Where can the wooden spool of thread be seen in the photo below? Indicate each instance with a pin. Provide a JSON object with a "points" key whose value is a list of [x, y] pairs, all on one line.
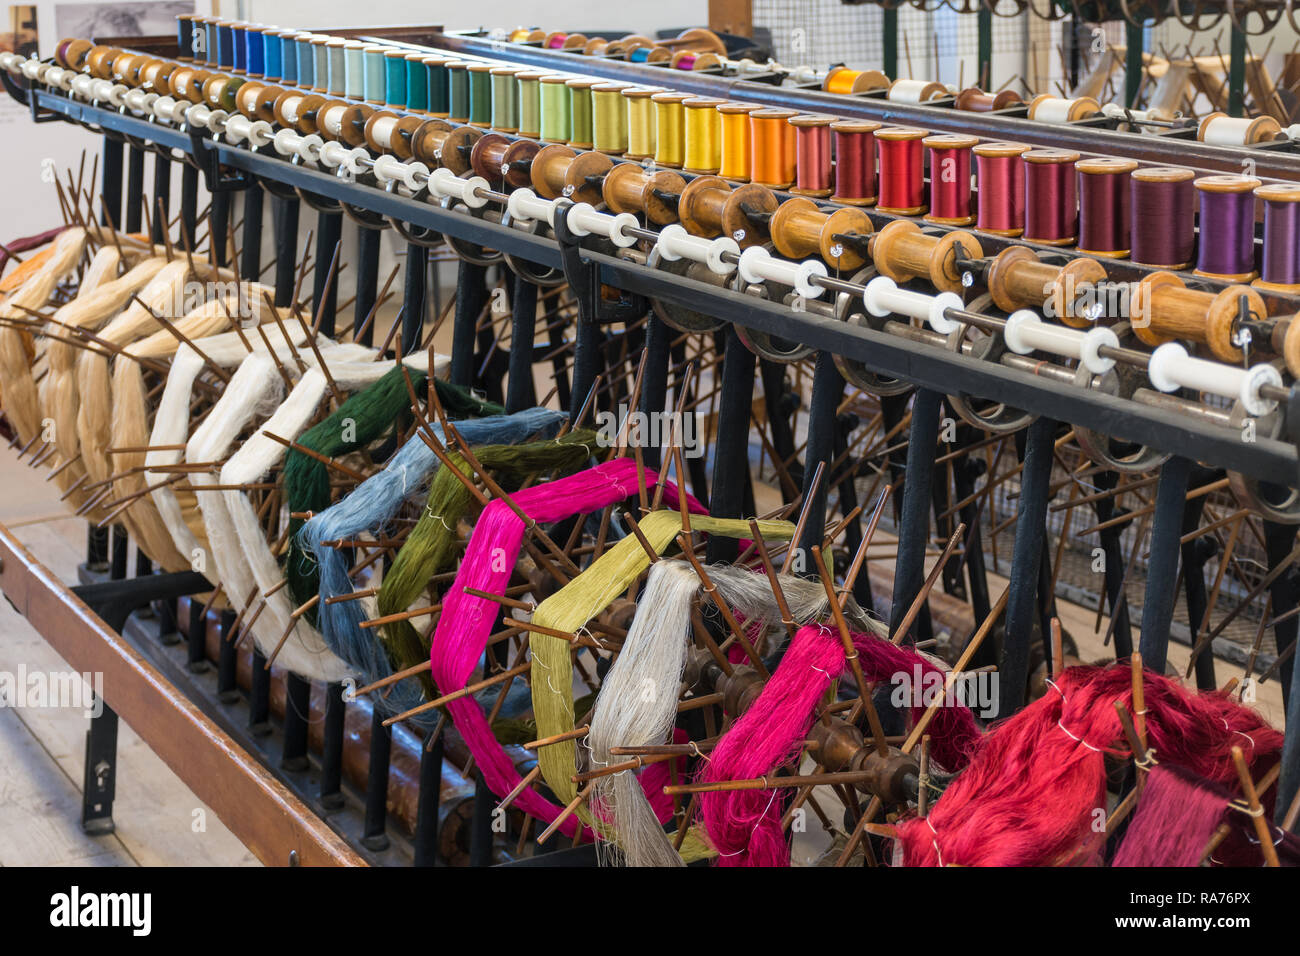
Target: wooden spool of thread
{"points": [[556, 125], [630, 188], [429, 141], [320, 56], [974, 100], [1163, 309], [915, 91], [609, 118], [640, 122], [844, 81], [257, 101], [709, 207], [1280, 263], [1018, 279], [219, 92], [439, 83], [375, 64], [500, 159], [594, 46], [1053, 109], [1227, 247], [699, 40], [331, 117], [649, 54], [457, 92], [800, 229], [903, 252], [559, 171], [184, 39], [529, 95], [699, 62], [1000, 173], [734, 162], [773, 158], [352, 130], [417, 83], [950, 178], [1162, 217], [1104, 206], [702, 152], [902, 181], [812, 150], [580, 129], [525, 35], [1051, 206], [564, 41], [505, 99], [354, 68], [388, 132], [480, 95], [1220, 129], [855, 161], [126, 68], [670, 128], [156, 76], [73, 53]]}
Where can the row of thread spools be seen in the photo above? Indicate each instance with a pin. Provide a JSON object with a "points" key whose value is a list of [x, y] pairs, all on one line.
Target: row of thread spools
{"points": [[1105, 206]]}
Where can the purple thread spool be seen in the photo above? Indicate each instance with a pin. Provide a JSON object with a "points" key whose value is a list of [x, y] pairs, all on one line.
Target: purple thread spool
{"points": [[1163, 217], [1280, 263], [1227, 247]]}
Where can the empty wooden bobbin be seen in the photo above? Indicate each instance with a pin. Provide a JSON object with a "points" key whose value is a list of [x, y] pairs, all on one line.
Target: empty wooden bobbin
{"points": [[1162, 309], [710, 207], [1018, 279], [630, 188], [498, 158], [903, 252], [561, 172], [800, 229], [974, 100]]}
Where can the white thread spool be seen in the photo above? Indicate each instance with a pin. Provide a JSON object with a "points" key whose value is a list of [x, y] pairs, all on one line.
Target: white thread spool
{"points": [[104, 91], [10, 61], [289, 111], [382, 130], [1171, 368], [138, 101], [1220, 129], [583, 220], [334, 155], [758, 265], [443, 183], [915, 91], [883, 297], [524, 205], [83, 85], [59, 77], [286, 142], [331, 119], [199, 115], [32, 68], [1053, 109], [1026, 332], [676, 243]]}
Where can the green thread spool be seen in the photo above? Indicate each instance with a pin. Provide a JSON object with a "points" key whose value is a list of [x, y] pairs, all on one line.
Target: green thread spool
{"points": [[505, 99], [530, 103], [321, 64], [480, 95], [374, 76], [640, 122], [609, 118], [354, 70], [580, 134], [337, 60], [439, 92], [395, 78], [458, 84], [670, 128], [417, 83], [555, 109]]}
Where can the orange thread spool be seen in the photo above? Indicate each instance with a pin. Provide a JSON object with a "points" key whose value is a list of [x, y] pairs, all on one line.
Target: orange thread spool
{"points": [[735, 141], [772, 148], [843, 81]]}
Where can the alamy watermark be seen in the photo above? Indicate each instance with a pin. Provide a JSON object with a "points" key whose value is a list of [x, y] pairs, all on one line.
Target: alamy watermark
{"points": [[977, 690], [49, 690], [638, 429]]}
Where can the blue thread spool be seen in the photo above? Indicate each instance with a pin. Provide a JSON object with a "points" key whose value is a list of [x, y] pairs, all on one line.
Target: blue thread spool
{"points": [[395, 78], [417, 83], [306, 63], [321, 59], [185, 37], [239, 50], [289, 57], [225, 46], [210, 41], [337, 67], [374, 86], [354, 70], [254, 47], [271, 54], [640, 55]]}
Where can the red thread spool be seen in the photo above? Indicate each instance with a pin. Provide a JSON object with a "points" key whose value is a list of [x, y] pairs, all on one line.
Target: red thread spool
{"points": [[1000, 175], [812, 148], [855, 161], [1051, 209], [950, 196], [1163, 219], [902, 181], [1104, 206]]}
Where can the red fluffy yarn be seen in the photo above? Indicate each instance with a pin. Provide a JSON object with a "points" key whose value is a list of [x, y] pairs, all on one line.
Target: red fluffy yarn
{"points": [[1036, 785]]}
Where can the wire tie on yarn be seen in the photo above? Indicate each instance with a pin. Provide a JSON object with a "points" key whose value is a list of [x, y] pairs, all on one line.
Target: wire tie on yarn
{"points": [[758, 821], [1147, 762], [935, 842], [699, 753], [1079, 739], [1241, 806], [1281, 835]]}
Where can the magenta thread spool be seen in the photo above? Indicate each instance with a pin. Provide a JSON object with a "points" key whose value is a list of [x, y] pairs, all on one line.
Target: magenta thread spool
{"points": [[1163, 204], [1227, 242], [1104, 219]]}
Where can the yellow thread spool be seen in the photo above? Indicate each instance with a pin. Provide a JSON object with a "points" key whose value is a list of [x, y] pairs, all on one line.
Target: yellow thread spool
{"points": [[640, 122], [734, 162], [530, 104], [670, 128], [581, 135], [609, 118], [703, 150]]}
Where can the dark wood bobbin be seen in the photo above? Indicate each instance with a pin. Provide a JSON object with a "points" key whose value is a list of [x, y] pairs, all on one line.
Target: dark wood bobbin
{"points": [[903, 252], [516, 164], [630, 188], [974, 100], [458, 147], [799, 229], [488, 154]]}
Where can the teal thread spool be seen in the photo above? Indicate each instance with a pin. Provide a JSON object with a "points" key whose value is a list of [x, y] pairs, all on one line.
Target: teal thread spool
{"points": [[555, 109], [417, 83], [321, 61], [439, 92], [480, 95], [458, 99], [306, 61], [395, 78], [272, 50], [528, 90], [580, 136], [354, 70], [338, 66], [505, 99], [289, 57], [374, 75]]}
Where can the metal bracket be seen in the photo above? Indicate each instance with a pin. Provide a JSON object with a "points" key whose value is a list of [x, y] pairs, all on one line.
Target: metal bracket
{"points": [[209, 162], [583, 276]]}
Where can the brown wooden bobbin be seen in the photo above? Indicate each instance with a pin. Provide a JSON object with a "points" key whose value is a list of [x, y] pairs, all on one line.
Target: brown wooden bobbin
{"points": [[75, 53], [585, 175], [800, 229], [974, 100], [1163, 309], [353, 129], [516, 164], [630, 188], [219, 92], [458, 147], [427, 143], [902, 252], [549, 166], [1018, 279]]}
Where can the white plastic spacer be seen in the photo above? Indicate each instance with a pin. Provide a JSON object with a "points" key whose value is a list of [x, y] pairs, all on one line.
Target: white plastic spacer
{"points": [[676, 243], [583, 220], [759, 265], [286, 141], [883, 297], [443, 183], [1026, 332], [525, 206], [170, 110], [82, 85], [309, 148], [1171, 368]]}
